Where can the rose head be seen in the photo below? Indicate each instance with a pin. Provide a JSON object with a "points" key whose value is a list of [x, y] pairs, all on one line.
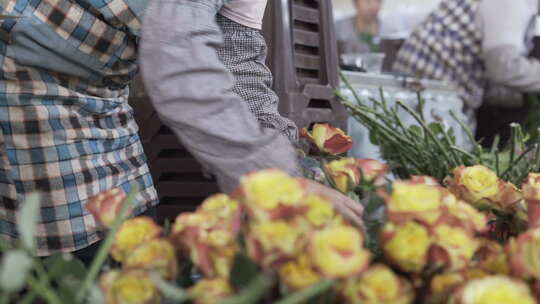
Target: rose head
{"points": [[270, 244], [338, 252], [406, 245], [129, 287], [210, 291], [524, 254], [299, 273], [106, 206], [492, 258], [378, 285], [453, 247], [156, 254], [494, 290], [269, 194], [133, 233], [531, 194], [410, 200], [347, 173], [328, 139], [480, 186]]}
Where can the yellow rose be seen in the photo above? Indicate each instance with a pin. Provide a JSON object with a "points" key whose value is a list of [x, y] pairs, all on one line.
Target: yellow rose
{"points": [[524, 254], [407, 245], [494, 290], [319, 210], [531, 194], [129, 287], [492, 257], [481, 182], [298, 274], [210, 291], [328, 139], [372, 171], [447, 282], [444, 284], [265, 192], [378, 285], [344, 173], [106, 206], [411, 200], [338, 252], [456, 244], [531, 186], [156, 254], [221, 205], [469, 216], [273, 242], [476, 185], [347, 173], [133, 233]]}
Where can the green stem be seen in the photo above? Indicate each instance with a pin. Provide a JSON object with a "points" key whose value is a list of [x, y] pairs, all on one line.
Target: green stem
{"points": [[253, 291], [43, 290], [5, 297], [307, 293], [428, 131], [468, 131], [103, 252], [512, 164]]}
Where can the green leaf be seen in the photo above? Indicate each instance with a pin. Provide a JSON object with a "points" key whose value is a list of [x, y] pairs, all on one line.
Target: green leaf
{"points": [[27, 220], [416, 131], [16, 265], [64, 265], [436, 128], [305, 294], [253, 291], [169, 290], [243, 272]]}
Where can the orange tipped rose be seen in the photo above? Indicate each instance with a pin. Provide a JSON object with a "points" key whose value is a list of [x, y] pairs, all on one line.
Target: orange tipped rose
{"points": [[338, 252], [328, 139], [106, 206], [480, 186], [156, 254], [378, 285], [133, 233], [531, 194], [210, 291], [129, 287]]}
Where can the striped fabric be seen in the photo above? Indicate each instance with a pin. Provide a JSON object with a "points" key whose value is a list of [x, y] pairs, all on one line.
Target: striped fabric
{"points": [[447, 46], [66, 129]]}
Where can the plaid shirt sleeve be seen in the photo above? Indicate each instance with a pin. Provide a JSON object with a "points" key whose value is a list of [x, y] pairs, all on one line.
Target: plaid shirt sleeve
{"points": [[66, 129]]}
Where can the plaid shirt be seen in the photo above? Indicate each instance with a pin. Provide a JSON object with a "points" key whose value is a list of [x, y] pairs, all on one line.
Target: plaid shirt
{"points": [[448, 46], [66, 129]]}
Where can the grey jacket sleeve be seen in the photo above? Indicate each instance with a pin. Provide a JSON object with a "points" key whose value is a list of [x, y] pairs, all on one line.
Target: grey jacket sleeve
{"points": [[506, 66], [504, 25], [191, 90]]}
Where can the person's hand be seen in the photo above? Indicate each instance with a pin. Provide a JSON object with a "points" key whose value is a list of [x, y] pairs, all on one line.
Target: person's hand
{"points": [[347, 207]]}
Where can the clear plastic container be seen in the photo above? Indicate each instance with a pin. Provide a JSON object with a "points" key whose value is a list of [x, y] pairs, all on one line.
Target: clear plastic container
{"points": [[373, 62]]}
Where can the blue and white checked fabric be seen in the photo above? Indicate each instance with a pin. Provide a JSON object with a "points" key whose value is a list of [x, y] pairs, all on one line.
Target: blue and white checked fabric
{"points": [[447, 46], [66, 129]]}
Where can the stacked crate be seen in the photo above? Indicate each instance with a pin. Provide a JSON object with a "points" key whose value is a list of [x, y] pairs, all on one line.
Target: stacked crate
{"points": [[179, 179], [303, 58]]}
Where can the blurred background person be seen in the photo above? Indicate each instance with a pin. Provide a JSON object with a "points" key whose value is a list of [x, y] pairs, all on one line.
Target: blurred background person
{"points": [[482, 48], [360, 33]]}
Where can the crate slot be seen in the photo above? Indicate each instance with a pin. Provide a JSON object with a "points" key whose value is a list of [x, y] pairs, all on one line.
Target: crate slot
{"points": [[308, 3], [306, 50], [306, 26], [319, 104]]}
